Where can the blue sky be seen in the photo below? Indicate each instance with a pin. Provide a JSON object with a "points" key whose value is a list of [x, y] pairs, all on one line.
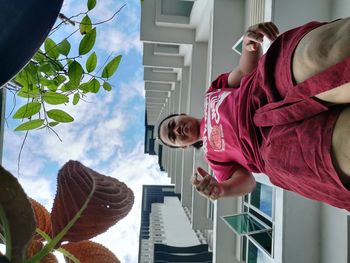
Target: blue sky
{"points": [[107, 134]]}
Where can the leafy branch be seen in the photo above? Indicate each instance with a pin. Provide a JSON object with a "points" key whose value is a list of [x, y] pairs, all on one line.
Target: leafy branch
{"points": [[54, 77]]}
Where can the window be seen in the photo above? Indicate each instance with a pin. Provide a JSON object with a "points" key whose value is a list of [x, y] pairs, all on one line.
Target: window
{"points": [[176, 8], [261, 198], [255, 225], [259, 204], [245, 224], [251, 253], [238, 46]]}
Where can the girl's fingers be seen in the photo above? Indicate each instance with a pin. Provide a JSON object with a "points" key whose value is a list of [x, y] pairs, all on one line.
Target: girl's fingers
{"points": [[274, 27], [268, 29], [201, 171], [202, 185], [254, 36]]}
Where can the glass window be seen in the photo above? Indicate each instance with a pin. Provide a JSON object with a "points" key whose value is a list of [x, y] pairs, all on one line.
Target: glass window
{"points": [[245, 224], [264, 240], [246, 198], [260, 216], [177, 8], [255, 255], [261, 198]]}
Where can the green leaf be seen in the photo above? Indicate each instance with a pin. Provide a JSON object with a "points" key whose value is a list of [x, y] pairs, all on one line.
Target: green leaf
{"points": [[30, 125], [53, 123], [64, 47], [59, 79], [111, 67], [91, 62], [88, 42], [69, 86], [38, 56], [46, 68], [91, 4], [29, 74], [85, 25], [94, 85], [107, 86], [56, 65], [60, 116], [85, 87], [21, 78], [27, 110], [51, 48], [75, 72], [28, 91], [76, 98], [55, 98]]}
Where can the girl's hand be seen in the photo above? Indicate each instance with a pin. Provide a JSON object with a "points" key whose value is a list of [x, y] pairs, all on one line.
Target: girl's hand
{"points": [[206, 184], [255, 34]]}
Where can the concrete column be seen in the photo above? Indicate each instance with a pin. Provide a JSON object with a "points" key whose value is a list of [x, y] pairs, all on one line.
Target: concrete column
{"points": [[197, 79], [150, 75], [224, 33], [185, 87], [151, 60], [200, 203], [224, 239], [186, 190], [162, 34], [199, 212], [179, 170]]}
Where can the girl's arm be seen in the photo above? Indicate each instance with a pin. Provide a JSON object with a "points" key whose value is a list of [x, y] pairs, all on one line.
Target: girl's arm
{"points": [[252, 51]]}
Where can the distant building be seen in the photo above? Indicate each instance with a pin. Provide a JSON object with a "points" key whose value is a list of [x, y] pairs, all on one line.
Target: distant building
{"points": [[166, 234], [186, 44]]}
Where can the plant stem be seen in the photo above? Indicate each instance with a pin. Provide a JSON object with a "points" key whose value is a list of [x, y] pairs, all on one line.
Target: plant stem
{"points": [[68, 255]]}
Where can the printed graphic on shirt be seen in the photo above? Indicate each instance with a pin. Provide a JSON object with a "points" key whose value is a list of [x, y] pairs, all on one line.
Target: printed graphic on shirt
{"points": [[216, 138], [212, 126]]}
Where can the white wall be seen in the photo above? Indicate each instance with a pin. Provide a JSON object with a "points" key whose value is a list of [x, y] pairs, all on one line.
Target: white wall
{"points": [[340, 8], [301, 230], [177, 228], [288, 14], [334, 236]]}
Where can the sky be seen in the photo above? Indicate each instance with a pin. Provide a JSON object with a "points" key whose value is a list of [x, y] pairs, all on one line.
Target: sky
{"points": [[107, 134]]}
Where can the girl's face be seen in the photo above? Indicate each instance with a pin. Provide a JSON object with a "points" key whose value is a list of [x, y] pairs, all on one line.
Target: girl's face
{"points": [[180, 131]]}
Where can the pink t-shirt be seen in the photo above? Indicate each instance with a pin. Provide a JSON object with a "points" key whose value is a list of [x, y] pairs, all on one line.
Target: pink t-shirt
{"points": [[220, 143], [271, 125]]}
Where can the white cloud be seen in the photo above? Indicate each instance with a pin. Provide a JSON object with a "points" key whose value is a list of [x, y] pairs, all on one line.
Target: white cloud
{"points": [[132, 89], [11, 155], [114, 40], [39, 189]]}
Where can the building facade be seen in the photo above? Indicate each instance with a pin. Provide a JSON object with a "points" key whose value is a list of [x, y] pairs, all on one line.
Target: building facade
{"points": [[166, 234], [186, 44]]}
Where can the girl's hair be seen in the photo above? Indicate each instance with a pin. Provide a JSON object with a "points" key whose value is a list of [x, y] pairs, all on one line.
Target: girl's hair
{"points": [[196, 145]]}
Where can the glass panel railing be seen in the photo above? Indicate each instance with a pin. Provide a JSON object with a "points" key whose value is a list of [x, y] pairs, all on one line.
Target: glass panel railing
{"points": [[245, 224]]}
